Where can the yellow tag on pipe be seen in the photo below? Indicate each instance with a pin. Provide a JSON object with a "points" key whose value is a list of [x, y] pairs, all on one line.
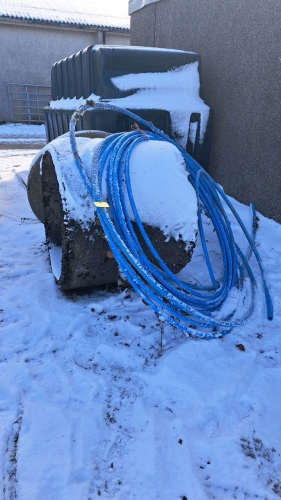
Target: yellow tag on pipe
{"points": [[101, 204]]}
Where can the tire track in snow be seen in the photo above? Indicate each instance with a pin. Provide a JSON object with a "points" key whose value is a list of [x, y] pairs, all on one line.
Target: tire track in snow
{"points": [[10, 462]]}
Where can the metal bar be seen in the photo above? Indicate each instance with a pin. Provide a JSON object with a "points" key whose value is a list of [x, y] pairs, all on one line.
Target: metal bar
{"points": [[14, 99], [35, 98], [33, 104], [31, 92], [30, 85], [26, 101], [9, 103], [33, 121], [33, 109], [31, 100], [23, 92]]}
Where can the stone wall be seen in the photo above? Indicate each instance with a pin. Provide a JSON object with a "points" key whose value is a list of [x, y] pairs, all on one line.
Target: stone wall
{"points": [[240, 44]]}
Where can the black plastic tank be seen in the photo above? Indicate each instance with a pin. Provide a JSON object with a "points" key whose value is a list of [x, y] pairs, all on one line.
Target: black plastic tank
{"points": [[90, 72]]}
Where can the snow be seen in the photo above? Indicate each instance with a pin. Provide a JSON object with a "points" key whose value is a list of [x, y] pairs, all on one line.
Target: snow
{"points": [[157, 91], [158, 181], [108, 13], [56, 259], [92, 407], [19, 133], [10, 130], [72, 103], [20, 130], [193, 132]]}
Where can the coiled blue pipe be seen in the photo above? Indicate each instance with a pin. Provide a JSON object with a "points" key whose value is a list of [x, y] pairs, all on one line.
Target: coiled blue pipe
{"points": [[186, 306]]}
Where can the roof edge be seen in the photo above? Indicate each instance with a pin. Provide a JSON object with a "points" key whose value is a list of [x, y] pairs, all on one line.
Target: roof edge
{"points": [[62, 25], [135, 5]]}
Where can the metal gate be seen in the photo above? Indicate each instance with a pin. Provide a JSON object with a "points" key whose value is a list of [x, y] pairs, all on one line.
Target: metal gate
{"points": [[26, 102]]}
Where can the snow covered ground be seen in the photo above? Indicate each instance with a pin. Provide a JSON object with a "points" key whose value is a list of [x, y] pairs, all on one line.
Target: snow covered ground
{"points": [[19, 134], [92, 407]]}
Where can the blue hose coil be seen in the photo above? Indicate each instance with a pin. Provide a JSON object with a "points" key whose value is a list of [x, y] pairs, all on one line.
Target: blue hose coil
{"points": [[187, 306]]}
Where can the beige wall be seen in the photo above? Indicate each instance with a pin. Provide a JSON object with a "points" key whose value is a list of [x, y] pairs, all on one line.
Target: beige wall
{"points": [[240, 45], [29, 51], [116, 39]]}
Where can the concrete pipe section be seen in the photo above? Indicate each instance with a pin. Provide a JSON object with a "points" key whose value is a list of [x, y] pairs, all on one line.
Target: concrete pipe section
{"points": [[79, 253]]}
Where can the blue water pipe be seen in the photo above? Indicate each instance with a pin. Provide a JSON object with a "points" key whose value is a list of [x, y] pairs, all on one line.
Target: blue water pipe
{"points": [[190, 307]]}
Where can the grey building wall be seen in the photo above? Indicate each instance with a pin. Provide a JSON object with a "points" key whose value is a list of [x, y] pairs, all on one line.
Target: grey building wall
{"points": [[240, 43], [28, 52]]}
